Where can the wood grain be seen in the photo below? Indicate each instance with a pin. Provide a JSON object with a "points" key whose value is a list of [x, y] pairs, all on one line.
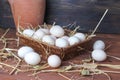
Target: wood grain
{"points": [[109, 39], [86, 13]]}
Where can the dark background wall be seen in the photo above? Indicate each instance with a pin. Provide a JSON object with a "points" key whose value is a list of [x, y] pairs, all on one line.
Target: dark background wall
{"points": [[85, 13], [6, 19]]}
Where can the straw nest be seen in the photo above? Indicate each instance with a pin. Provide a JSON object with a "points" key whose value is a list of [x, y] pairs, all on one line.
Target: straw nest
{"points": [[45, 50]]}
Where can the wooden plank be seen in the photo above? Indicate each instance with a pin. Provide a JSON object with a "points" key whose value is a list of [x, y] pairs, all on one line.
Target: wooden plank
{"points": [[85, 13], [6, 19], [109, 39]]}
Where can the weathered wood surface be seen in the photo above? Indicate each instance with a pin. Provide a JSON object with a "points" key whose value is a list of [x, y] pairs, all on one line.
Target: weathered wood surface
{"points": [[85, 13], [6, 19], [114, 50]]}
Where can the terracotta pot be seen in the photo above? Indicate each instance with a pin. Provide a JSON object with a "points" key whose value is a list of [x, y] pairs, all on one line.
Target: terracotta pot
{"points": [[28, 12]]}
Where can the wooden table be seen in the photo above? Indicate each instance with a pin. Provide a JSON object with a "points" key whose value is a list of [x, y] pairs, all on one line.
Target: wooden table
{"points": [[114, 50]]}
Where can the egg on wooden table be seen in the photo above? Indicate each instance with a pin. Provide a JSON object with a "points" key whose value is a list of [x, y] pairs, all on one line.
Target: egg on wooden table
{"points": [[73, 40], [99, 44], [81, 36], [62, 43], [57, 31], [54, 61], [38, 34], [99, 55], [28, 32], [32, 58], [24, 50], [48, 39]]}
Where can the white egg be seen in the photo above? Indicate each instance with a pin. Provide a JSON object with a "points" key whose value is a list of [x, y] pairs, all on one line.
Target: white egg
{"points": [[57, 31], [48, 39], [24, 50], [38, 34], [99, 44], [73, 40], [54, 61], [32, 58], [81, 36], [28, 32], [53, 37], [47, 31], [65, 37], [99, 55], [62, 43]]}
